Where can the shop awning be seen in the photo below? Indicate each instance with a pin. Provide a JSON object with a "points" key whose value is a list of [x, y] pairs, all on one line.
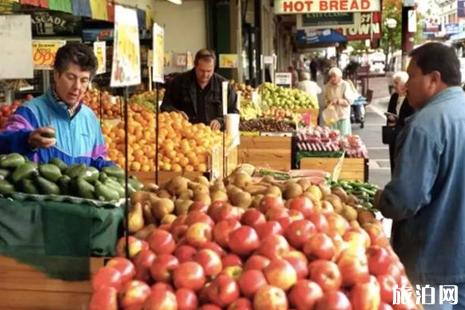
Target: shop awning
{"points": [[327, 36]]}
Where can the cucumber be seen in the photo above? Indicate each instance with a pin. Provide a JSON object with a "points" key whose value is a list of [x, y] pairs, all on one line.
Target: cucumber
{"points": [[46, 187], [114, 171], [50, 172], [90, 174], [102, 177], [59, 163], [6, 187], [12, 160], [105, 193], [24, 171], [29, 187], [4, 173], [85, 189], [136, 184], [64, 183], [74, 170], [115, 186]]}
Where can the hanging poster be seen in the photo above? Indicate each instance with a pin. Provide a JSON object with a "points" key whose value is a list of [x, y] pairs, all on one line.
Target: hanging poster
{"points": [[15, 35], [228, 60], [125, 69], [99, 9], [158, 53], [43, 53], [101, 54]]}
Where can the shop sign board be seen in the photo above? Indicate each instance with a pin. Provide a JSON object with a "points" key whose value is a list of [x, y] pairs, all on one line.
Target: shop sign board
{"points": [[367, 26], [43, 53], [283, 79], [158, 54], [460, 8], [453, 28], [53, 23], [16, 51], [228, 61], [100, 52], [324, 20], [325, 6], [125, 69]]}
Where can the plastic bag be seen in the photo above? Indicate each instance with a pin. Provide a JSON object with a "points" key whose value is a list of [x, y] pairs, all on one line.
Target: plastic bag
{"points": [[329, 115]]}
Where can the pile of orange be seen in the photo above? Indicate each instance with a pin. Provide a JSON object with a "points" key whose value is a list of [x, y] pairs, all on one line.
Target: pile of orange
{"points": [[182, 145]]}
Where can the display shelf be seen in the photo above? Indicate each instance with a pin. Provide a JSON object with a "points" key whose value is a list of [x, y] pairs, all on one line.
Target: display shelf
{"points": [[352, 168], [267, 152]]}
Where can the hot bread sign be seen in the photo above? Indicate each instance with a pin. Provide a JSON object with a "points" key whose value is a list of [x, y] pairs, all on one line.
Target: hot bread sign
{"points": [[325, 6]]}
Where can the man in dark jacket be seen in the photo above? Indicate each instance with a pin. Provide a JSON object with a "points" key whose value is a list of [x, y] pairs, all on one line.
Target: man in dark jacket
{"points": [[197, 94]]}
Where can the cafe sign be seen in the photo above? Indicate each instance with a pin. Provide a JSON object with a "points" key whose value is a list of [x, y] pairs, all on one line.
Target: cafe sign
{"points": [[325, 6]]}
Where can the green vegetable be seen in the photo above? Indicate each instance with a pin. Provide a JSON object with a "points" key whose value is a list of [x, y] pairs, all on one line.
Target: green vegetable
{"points": [[90, 174], [23, 171], [85, 189], [59, 163], [50, 172], [29, 187], [74, 170], [105, 193], [46, 187], [114, 171], [6, 187], [12, 160], [115, 186], [4, 173], [64, 182]]}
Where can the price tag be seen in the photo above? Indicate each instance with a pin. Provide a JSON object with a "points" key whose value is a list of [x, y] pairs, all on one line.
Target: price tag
{"points": [[43, 53]]}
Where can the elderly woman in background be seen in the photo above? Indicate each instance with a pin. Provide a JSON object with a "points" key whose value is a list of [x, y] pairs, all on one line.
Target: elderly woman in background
{"points": [[339, 94], [307, 85], [398, 111]]}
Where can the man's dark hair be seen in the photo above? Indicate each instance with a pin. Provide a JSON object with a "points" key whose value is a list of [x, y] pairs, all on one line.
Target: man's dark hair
{"points": [[204, 54], [438, 57], [77, 53]]}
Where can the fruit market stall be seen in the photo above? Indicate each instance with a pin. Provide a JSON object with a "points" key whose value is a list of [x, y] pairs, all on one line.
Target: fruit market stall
{"points": [[252, 243]]}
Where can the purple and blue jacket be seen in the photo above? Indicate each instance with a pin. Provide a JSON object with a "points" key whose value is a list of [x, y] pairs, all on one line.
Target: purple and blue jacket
{"points": [[79, 138]]}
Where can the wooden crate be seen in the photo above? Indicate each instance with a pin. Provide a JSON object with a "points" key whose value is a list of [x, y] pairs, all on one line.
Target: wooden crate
{"points": [[352, 168], [266, 152], [23, 287], [163, 176]]}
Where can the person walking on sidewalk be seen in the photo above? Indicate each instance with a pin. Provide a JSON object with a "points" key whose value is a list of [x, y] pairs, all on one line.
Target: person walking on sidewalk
{"points": [[425, 197]]}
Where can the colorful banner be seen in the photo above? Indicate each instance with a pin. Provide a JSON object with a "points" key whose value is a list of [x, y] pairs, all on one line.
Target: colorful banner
{"points": [[39, 3], [43, 53], [60, 5], [325, 6], [228, 61], [100, 52], [125, 69], [99, 9], [158, 54], [81, 8]]}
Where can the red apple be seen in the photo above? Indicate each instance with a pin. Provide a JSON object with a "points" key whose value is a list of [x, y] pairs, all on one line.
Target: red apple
{"points": [[280, 273], [210, 307], [161, 242], [186, 299], [223, 291], [222, 230], [198, 217], [215, 247], [162, 286], [299, 262], [210, 262], [379, 260], [252, 217], [302, 204], [376, 233], [353, 267], [365, 296], [143, 261], [320, 222], [185, 253], [241, 304], [269, 228], [357, 237], [107, 277], [270, 202], [226, 212], [384, 306], [163, 266], [276, 214], [326, 274], [135, 246], [134, 294], [198, 234], [256, 262], [387, 285], [198, 206], [273, 246], [161, 299], [337, 223], [334, 300], [189, 275], [304, 294], [179, 231], [319, 246], [243, 240], [250, 281], [231, 260], [233, 272], [298, 232], [124, 266], [104, 299], [296, 215], [270, 297]]}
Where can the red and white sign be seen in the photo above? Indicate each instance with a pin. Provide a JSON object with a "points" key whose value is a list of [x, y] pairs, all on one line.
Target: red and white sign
{"points": [[325, 6], [366, 26]]}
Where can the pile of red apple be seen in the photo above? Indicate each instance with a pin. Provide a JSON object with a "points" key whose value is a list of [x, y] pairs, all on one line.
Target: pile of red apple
{"points": [[225, 257]]}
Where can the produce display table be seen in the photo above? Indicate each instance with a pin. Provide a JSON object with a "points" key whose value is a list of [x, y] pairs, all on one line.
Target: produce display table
{"points": [[273, 152], [30, 229], [24, 287]]}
